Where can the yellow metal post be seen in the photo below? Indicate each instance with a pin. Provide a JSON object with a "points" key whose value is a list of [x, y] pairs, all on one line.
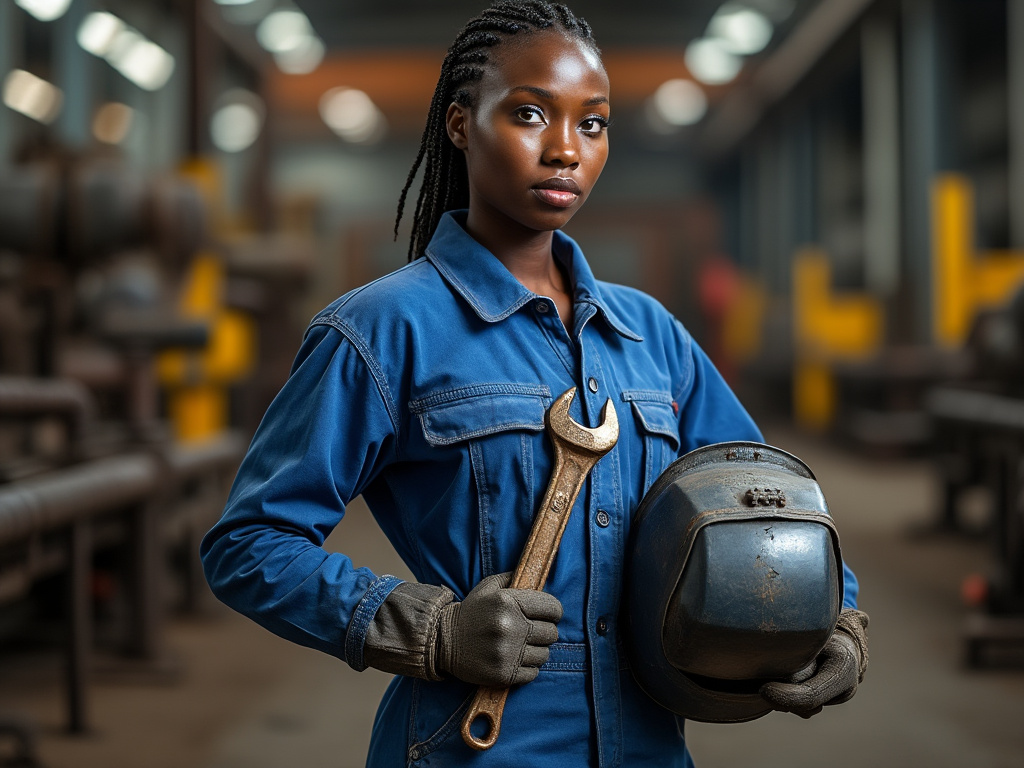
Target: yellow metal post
{"points": [[964, 282], [827, 328]]}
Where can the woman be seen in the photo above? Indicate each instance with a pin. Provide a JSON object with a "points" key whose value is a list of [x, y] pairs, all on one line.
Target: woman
{"points": [[425, 392]]}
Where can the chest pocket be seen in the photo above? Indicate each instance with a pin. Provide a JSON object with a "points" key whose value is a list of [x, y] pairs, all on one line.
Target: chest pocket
{"points": [[497, 425], [658, 424]]}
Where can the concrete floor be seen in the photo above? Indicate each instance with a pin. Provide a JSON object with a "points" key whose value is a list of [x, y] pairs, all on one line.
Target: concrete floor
{"points": [[245, 699]]}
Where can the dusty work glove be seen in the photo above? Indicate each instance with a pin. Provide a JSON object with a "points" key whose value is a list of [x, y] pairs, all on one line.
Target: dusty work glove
{"points": [[496, 636], [833, 677]]}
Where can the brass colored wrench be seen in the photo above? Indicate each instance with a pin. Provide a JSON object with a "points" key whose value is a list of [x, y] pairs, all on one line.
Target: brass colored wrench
{"points": [[577, 450]]}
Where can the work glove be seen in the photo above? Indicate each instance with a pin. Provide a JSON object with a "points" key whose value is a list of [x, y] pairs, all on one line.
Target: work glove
{"points": [[497, 636], [833, 677]]}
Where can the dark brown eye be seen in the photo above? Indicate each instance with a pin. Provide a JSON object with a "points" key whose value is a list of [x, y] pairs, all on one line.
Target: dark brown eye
{"points": [[529, 115], [593, 125]]}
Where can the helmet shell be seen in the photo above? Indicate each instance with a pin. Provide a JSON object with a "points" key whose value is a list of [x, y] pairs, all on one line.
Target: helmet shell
{"points": [[734, 578]]}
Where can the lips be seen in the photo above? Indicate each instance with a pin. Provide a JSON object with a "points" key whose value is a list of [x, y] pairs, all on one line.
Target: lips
{"points": [[558, 192], [558, 184]]}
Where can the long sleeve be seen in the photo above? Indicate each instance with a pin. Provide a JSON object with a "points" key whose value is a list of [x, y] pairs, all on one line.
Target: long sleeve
{"points": [[709, 412], [325, 437]]}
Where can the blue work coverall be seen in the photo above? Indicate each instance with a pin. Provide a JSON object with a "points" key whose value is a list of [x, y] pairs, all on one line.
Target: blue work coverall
{"points": [[425, 391]]}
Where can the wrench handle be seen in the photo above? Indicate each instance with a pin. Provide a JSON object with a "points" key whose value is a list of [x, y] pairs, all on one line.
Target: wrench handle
{"points": [[488, 704], [567, 478], [577, 450], [534, 564]]}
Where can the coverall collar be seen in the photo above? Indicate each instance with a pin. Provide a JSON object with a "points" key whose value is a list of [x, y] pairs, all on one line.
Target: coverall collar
{"points": [[491, 290]]}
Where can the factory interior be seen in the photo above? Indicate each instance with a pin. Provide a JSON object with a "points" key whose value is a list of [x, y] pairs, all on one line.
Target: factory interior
{"points": [[828, 194]]}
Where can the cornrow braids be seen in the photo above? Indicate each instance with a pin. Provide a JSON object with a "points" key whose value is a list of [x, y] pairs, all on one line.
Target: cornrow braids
{"points": [[445, 183]]}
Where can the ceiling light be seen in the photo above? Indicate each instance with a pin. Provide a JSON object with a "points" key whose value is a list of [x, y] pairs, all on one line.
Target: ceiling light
{"points": [[112, 122], [143, 62], [303, 59], [776, 10], [44, 10], [98, 31], [32, 96], [352, 115], [129, 52], [249, 12], [283, 31], [710, 62], [741, 30], [237, 122], [680, 102]]}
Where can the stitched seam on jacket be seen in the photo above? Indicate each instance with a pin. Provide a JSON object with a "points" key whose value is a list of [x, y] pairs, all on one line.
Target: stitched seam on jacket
{"points": [[362, 617], [690, 370], [371, 363], [489, 430], [646, 396], [423, 748], [423, 404]]}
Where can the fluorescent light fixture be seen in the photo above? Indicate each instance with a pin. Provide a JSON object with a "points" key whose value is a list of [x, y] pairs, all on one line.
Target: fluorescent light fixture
{"points": [[283, 31], [32, 96], [44, 10], [98, 31], [303, 59], [742, 30], [233, 2], [237, 122], [145, 63], [680, 102], [352, 115], [127, 50], [710, 62], [248, 12], [112, 122]]}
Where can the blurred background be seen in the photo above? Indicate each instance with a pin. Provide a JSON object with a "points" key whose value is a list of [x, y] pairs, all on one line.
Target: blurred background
{"points": [[828, 193]]}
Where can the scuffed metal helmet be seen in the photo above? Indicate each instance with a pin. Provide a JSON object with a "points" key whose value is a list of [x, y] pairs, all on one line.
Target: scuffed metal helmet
{"points": [[734, 578]]}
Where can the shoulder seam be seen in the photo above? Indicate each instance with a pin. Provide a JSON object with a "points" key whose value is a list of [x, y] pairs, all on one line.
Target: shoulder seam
{"points": [[687, 357], [374, 367]]}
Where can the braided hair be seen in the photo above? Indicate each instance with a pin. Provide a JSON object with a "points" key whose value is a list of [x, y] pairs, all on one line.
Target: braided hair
{"points": [[445, 182]]}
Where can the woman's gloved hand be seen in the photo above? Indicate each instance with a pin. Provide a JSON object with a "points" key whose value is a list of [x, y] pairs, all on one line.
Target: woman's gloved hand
{"points": [[496, 636], [834, 676]]}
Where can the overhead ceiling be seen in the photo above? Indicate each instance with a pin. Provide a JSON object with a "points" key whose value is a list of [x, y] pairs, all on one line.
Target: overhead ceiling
{"points": [[391, 49], [348, 24]]}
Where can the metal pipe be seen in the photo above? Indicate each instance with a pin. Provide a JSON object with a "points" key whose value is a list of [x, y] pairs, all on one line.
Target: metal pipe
{"points": [[30, 396], [58, 498]]}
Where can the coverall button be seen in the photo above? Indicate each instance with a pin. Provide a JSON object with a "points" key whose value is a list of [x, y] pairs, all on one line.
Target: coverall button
{"points": [[542, 307], [592, 384], [603, 518], [602, 626]]}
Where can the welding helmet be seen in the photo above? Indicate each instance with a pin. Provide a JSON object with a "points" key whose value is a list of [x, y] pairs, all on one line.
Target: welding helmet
{"points": [[734, 578]]}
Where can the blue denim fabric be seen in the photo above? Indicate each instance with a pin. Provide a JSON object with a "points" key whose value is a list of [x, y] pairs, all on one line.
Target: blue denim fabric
{"points": [[425, 391]]}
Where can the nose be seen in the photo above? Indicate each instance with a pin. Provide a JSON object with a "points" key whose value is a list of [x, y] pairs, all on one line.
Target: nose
{"points": [[561, 146]]}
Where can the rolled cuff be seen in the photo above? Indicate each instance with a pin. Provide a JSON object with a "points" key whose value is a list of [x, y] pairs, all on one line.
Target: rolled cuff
{"points": [[362, 619]]}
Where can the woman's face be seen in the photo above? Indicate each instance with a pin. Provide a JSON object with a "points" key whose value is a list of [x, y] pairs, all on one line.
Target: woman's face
{"points": [[534, 139]]}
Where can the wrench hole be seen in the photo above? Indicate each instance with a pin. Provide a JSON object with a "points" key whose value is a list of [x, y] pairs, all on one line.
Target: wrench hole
{"points": [[483, 730]]}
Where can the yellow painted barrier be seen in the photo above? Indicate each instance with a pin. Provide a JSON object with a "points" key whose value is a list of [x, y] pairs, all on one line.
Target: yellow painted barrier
{"points": [[197, 381], [827, 328], [964, 282], [743, 323]]}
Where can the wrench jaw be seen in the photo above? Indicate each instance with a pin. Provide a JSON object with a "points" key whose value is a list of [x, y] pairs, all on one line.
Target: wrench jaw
{"points": [[598, 440]]}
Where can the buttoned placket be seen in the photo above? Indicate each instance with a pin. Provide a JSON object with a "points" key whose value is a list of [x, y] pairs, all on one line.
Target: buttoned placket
{"points": [[603, 506]]}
